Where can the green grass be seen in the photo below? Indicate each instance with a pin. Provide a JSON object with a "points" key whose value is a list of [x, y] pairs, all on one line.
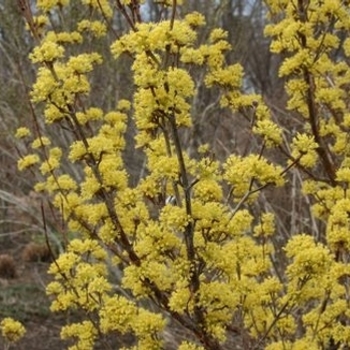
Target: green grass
{"points": [[22, 301]]}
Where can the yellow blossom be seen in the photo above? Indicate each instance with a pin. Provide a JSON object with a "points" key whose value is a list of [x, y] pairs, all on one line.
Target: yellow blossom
{"points": [[49, 51], [22, 132], [47, 5], [266, 226], [85, 332], [97, 28], [195, 19], [28, 161], [208, 190], [83, 63], [239, 172], [269, 131], [11, 330], [185, 345], [102, 6], [41, 142], [217, 34], [123, 105], [53, 161], [304, 147]]}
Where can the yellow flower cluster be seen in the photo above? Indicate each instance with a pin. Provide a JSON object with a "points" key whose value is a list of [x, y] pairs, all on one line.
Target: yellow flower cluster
{"points": [[338, 225], [271, 133], [266, 227], [240, 171], [63, 37], [63, 85], [11, 330], [189, 346], [22, 132], [85, 332], [97, 28], [49, 51], [102, 6], [120, 314], [47, 5], [310, 259], [28, 161], [304, 148], [80, 276]]}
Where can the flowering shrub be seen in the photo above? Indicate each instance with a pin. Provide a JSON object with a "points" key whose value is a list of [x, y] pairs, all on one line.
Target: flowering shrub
{"points": [[186, 239]]}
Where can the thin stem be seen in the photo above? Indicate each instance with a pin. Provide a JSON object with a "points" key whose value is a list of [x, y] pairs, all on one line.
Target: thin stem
{"points": [[252, 191], [205, 338], [277, 317], [321, 150], [173, 12]]}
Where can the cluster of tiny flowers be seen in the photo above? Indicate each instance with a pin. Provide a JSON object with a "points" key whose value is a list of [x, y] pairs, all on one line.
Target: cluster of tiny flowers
{"points": [[11, 330]]}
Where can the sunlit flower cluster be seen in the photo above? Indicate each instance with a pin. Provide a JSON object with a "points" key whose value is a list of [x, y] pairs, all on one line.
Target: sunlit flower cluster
{"points": [[241, 171], [11, 330], [47, 5]]}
